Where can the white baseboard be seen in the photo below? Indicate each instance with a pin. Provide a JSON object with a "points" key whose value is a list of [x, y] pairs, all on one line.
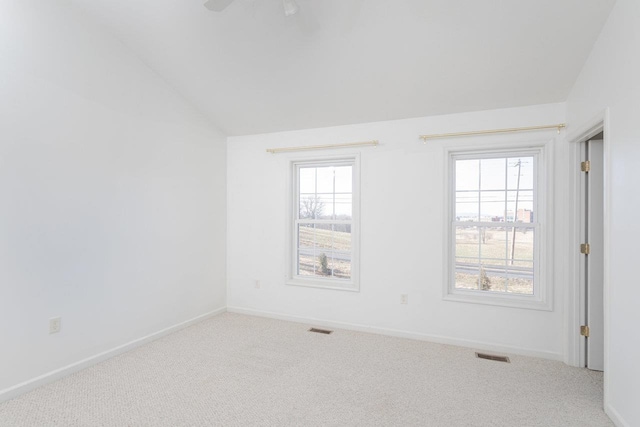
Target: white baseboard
{"points": [[615, 416], [478, 345], [18, 389]]}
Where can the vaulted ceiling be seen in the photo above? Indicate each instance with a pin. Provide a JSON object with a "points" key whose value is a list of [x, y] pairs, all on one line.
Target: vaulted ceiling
{"points": [[250, 69]]}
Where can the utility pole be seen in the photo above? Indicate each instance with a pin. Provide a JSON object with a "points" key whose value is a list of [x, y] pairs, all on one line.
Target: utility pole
{"points": [[515, 212]]}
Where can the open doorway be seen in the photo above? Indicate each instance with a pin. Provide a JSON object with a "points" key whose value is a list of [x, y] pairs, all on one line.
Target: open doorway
{"points": [[592, 252]]}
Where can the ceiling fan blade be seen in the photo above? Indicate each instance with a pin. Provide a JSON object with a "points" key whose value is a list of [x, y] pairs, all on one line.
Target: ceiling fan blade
{"points": [[217, 5]]}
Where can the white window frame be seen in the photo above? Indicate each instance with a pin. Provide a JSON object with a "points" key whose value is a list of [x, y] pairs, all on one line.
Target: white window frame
{"points": [[292, 278], [541, 299]]}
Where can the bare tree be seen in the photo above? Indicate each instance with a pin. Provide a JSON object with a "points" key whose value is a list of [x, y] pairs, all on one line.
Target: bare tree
{"points": [[311, 207], [485, 281], [485, 235]]}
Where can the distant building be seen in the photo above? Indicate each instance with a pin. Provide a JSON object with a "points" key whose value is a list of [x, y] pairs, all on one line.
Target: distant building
{"points": [[525, 215]]}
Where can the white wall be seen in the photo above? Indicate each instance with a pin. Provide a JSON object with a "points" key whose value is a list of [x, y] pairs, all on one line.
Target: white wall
{"points": [[112, 195], [402, 239], [611, 78]]}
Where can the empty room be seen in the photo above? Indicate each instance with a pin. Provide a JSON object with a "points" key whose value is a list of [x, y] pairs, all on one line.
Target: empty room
{"points": [[319, 213]]}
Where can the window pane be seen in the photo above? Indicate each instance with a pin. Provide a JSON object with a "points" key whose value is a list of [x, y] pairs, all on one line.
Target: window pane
{"points": [[523, 200], [520, 279], [467, 175], [467, 205], [342, 237], [493, 246], [521, 245], [307, 177], [522, 167], [335, 206], [492, 206], [480, 277], [311, 206], [325, 179], [324, 263], [512, 280], [495, 281], [343, 208], [306, 236], [326, 192], [492, 174], [325, 206], [340, 264], [334, 265], [467, 242], [316, 238], [344, 179], [484, 259], [308, 264], [465, 279], [324, 237]]}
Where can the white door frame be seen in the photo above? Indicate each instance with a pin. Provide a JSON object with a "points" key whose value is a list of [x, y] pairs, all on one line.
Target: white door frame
{"points": [[574, 303]]}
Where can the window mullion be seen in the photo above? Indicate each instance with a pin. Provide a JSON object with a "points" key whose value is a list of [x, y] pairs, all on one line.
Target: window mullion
{"points": [[315, 214], [506, 233], [479, 219]]}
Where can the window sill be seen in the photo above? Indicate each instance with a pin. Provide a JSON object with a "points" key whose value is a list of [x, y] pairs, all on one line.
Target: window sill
{"points": [[502, 300], [324, 284]]}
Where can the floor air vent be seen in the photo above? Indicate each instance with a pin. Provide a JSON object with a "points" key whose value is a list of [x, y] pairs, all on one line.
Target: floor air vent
{"points": [[492, 357], [320, 331]]}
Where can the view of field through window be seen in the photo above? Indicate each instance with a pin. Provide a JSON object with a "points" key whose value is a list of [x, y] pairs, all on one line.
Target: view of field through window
{"points": [[494, 224], [324, 223]]}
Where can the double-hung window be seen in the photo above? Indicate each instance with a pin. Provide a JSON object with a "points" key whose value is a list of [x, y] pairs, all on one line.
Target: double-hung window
{"points": [[497, 221], [325, 224]]}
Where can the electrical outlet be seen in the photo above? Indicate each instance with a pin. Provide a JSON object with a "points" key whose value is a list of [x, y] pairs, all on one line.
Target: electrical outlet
{"points": [[54, 325], [257, 285], [404, 299]]}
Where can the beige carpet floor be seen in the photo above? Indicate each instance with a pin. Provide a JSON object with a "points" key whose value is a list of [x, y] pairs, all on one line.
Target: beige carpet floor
{"points": [[236, 370]]}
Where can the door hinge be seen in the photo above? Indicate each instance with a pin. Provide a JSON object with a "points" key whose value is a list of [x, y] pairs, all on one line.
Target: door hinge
{"points": [[585, 248], [585, 166], [584, 331]]}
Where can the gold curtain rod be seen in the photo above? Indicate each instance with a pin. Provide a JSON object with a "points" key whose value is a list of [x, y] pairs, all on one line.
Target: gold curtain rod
{"points": [[373, 143], [559, 126]]}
